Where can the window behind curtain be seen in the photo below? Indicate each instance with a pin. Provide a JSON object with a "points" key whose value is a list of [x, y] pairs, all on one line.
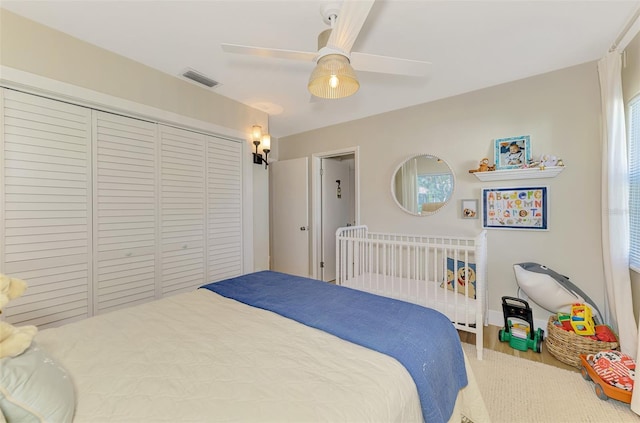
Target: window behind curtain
{"points": [[434, 188], [634, 181]]}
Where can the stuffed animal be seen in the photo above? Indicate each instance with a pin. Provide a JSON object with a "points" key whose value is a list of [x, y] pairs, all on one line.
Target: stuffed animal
{"points": [[551, 290], [483, 166], [13, 340]]}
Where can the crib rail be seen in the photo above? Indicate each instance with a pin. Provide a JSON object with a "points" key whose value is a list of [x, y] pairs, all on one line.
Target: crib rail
{"points": [[417, 269]]}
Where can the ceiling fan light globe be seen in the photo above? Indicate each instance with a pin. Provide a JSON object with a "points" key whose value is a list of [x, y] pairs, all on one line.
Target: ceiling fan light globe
{"points": [[333, 78]]}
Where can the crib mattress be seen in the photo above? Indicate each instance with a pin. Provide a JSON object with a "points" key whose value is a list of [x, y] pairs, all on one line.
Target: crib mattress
{"points": [[457, 307]]}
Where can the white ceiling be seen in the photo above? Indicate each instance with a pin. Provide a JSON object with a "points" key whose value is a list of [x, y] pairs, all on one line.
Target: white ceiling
{"points": [[471, 44]]}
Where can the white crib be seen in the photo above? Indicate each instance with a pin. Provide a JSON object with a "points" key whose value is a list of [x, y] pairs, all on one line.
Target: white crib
{"points": [[414, 268]]}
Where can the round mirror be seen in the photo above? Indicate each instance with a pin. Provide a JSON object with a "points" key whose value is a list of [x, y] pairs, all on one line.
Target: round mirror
{"points": [[422, 184]]}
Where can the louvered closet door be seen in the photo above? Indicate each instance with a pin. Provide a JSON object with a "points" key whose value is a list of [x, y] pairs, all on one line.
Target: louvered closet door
{"points": [[224, 209], [46, 202], [125, 208], [183, 210]]}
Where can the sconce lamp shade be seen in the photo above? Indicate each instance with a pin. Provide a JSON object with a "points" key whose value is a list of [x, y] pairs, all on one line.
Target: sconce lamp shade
{"points": [[266, 142], [333, 78], [257, 137], [256, 133]]}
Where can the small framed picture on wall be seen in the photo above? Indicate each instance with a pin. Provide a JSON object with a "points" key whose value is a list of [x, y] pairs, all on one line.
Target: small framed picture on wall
{"points": [[512, 153], [469, 209]]}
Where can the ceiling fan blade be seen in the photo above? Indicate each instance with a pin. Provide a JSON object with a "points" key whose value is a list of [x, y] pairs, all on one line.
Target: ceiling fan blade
{"points": [[391, 65], [270, 52], [351, 17]]}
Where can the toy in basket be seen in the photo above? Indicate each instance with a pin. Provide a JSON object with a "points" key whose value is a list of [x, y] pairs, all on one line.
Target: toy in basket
{"points": [[518, 326], [581, 320], [612, 372]]}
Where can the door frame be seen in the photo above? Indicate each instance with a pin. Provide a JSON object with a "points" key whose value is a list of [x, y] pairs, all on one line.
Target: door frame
{"points": [[316, 200]]}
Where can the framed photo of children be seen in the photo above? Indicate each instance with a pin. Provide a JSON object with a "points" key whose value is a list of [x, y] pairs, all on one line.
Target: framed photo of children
{"points": [[515, 208], [512, 153]]}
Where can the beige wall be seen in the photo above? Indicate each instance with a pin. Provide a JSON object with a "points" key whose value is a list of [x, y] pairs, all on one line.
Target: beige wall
{"points": [[38, 50], [631, 88], [561, 113], [35, 48]]}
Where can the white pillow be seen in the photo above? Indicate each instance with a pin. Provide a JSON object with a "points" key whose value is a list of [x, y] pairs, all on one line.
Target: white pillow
{"points": [[545, 291], [34, 388]]}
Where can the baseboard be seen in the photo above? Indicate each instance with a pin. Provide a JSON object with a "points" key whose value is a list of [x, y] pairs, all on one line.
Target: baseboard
{"points": [[496, 318]]}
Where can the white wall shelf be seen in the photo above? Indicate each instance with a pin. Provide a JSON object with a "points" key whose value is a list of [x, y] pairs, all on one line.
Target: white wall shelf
{"points": [[531, 173]]}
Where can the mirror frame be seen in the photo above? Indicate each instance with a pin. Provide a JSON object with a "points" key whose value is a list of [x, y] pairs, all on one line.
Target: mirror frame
{"points": [[393, 185]]}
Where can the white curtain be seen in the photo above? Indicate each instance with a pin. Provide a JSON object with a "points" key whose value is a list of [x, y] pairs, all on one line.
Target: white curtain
{"points": [[410, 185], [615, 207]]}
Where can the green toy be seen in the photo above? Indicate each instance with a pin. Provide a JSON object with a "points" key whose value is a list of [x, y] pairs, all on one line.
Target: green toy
{"points": [[518, 326]]}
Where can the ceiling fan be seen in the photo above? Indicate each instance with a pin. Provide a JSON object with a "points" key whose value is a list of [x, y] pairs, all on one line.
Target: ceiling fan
{"points": [[334, 76]]}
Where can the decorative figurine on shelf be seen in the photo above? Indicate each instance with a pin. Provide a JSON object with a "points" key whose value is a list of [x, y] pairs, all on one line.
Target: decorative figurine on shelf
{"points": [[483, 166], [530, 164], [547, 160]]}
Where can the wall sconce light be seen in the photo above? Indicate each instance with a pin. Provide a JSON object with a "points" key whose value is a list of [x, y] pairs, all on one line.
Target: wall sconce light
{"points": [[258, 137]]}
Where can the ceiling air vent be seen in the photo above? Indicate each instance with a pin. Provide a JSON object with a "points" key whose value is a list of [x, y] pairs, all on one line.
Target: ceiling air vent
{"points": [[199, 78]]}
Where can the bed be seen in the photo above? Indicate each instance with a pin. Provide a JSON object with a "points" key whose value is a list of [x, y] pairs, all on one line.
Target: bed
{"points": [[220, 353], [447, 273]]}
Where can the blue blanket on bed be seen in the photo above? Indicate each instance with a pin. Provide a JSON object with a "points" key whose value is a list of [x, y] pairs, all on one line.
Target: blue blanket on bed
{"points": [[422, 339]]}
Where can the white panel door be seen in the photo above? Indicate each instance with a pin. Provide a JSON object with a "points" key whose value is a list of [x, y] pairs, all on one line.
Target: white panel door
{"points": [[125, 208], [182, 210], [224, 209], [45, 153], [290, 205]]}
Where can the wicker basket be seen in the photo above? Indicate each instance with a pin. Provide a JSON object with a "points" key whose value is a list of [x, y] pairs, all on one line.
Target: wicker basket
{"points": [[567, 346]]}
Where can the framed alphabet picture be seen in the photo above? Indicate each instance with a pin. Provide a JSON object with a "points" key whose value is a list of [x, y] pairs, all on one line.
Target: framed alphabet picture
{"points": [[515, 208], [512, 153]]}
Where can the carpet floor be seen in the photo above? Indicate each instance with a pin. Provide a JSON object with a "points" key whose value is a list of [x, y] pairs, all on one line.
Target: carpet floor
{"points": [[521, 391]]}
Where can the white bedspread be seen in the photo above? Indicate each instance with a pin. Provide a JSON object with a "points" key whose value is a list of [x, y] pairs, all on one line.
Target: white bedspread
{"points": [[200, 357]]}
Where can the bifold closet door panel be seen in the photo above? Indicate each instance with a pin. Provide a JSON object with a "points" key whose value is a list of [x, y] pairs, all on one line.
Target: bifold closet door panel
{"points": [[46, 236], [125, 198], [224, 209], [182, 210]]}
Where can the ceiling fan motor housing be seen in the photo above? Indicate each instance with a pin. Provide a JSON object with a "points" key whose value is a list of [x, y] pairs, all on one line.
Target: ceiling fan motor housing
{"points": [[323, 38]]}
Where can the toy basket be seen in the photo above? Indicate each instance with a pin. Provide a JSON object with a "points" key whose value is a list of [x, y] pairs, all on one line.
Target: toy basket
{"points": [[567, 346]]}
